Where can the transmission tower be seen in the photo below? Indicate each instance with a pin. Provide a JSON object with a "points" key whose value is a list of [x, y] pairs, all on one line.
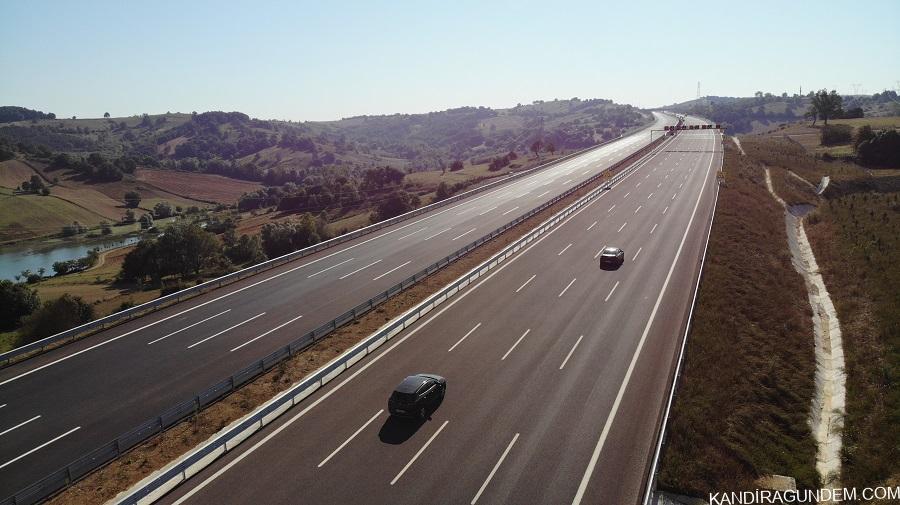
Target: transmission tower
{"points": [[698, 89]]}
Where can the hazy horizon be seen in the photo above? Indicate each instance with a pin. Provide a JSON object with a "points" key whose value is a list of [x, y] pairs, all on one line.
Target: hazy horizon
{"points": [[308, 62]]}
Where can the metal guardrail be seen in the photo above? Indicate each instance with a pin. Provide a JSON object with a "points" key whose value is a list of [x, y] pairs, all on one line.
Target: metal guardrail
{"points": [[164, 301], [235, 433]]}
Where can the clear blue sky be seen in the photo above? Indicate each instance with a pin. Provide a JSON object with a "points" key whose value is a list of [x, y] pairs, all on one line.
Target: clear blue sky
{"points": [[326, 60]]}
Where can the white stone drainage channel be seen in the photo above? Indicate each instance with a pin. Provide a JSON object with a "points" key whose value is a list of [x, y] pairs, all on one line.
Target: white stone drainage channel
{"points": [[827, 415], [161, 482]]}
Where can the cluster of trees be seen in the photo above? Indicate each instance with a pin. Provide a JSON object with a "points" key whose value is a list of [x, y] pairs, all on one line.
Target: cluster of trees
{"points": [[21, 306], [445, 190], [35, 185], [75, 228], [9, 113], [398, 202], [78, 264], [836, 134], [501, 162], [183, 250], [284, 237], [95, 167], [878, 149]]}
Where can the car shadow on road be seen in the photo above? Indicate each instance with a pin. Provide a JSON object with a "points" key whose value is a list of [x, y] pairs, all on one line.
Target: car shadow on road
{"points": [[397, 430], [608, 267]]}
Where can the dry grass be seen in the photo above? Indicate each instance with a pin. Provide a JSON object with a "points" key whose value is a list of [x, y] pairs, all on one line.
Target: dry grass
{"points": [[856, 239], [118, 476], [13, 173], [744, 398], [202, 187]]}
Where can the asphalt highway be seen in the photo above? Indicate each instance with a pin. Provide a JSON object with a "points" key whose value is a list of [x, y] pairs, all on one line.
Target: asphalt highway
{"points": [[557, 370], [57, 406]]}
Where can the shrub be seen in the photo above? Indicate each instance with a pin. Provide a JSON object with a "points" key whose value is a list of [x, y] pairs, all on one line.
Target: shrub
{"points": [[836, 134], [55, 316]]}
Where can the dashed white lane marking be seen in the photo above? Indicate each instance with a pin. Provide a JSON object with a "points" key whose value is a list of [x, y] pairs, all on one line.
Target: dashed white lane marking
{"points": [[564, 249], [187, 327], [45, 444], [542, 194], [392, 270], [485, 212], [637, 209], [329, 268], [570, 352], [413, 460], [654, 228], [413, 233], [566, 288], [637, 253], [611, 208], [611, 291], [664, 210], [464, 234], [494, 470], [357, 432], [23, 423], [438, 233], [591, 226], [254, 339], [226, 330], [465, 336], [514, 345], [623, 225], [360, 269], [526, 282], [510, 210]]}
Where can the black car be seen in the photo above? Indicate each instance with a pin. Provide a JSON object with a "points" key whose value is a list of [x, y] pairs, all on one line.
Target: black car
{"points": [[417, 395], [612, 256]]}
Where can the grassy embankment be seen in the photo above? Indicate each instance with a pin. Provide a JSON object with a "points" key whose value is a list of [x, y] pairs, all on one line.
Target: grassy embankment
{"points": [[855, 235], [744, 397]]}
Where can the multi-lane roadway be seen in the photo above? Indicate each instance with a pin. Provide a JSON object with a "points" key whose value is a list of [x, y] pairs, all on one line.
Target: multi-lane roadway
{"points": [[558, 370], [57, 406]]}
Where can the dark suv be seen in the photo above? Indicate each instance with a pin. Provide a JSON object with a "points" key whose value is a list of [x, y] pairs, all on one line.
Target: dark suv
{"points": [[417, 395], [612, 257]]}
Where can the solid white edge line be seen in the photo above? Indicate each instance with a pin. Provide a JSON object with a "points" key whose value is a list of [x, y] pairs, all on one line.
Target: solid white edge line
{"points": [[611, 291], [526, 283], [226, 330], [494, 470], [377, 357], [582, 487], [514, 345], [329, 268], [360, 269], [414, 458], [355, 433], [187, 327], [570, 352], [392, 270], [464, 337], [23, 423], [254, 339], [45, 444], [566, 288]]}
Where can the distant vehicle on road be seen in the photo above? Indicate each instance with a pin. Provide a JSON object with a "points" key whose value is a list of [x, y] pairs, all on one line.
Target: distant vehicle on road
{"points": [[417, 396], [612, 257]]}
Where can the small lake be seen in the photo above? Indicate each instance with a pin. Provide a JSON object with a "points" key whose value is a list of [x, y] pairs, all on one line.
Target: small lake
{"points": [[18, 257]]}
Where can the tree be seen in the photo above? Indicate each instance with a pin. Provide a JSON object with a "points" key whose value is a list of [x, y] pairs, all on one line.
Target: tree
{"points": [[162, 210], [882, 150], [863, 134], [550, 148], [536, 147], [55, 316], [146, 221], [456, 166], [106, 114], [105, 228], [826, 105], [16, 301], [279, 239], [245, 250], [187, 249], [443, 191], [128, 218], [132, 199], [398, 202]]}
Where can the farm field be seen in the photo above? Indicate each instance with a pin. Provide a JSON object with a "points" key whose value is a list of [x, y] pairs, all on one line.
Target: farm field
{"points": [[29, 216], [13, 173], [200, 187]]}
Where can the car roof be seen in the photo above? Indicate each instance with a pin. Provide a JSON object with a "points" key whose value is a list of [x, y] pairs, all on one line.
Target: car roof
{"points": [[412, 383], [611, 250]]}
